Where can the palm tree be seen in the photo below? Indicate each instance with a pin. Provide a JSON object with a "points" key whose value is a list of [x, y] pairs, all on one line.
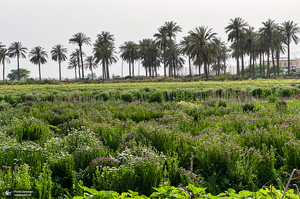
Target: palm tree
{"points": [[184, 47], [221, 55], [203, 47], [290, 31], [161, 40], [17, 50], [1, 45], [58, 53], [80, 39], [38, 56], [249, 45], [171, 28], [234, 30], [76, 56], [268, 34], [150, 55], [129, 52], [90, 64], [73, 64], [104, 51], [177, 59], [4, 57]]}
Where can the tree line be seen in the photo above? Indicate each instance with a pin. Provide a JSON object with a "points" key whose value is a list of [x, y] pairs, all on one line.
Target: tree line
{"points": [[201, 46]]}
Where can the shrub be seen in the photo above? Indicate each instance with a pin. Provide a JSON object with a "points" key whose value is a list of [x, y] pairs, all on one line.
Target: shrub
{"points": [[272, 99], [156, 96], [281, 105], [126, 97], [248, 107]]}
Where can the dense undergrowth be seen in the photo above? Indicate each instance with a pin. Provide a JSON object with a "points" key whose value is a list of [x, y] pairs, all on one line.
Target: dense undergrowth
{"points": [[143, 139]]}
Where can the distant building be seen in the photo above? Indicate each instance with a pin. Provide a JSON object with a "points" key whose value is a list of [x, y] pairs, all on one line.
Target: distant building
{"points": [[283, 61]]}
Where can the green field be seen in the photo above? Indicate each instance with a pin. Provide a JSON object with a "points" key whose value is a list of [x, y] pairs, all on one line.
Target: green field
{"points": [[204, 138]]}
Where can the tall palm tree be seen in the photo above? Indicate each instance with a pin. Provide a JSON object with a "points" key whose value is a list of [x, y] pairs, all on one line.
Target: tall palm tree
{"points": [[16, 49], [162, 42], [221, 55], [267, 31], [184, 47], [171, 28], [249, 46], [290, 31], [73, 64], [203, 47], [58, 53], [130, 53], [150, 55], [4, 57], [177, 59], [76, 56], [90, 64], [234, 29], [104, 51], [80, 39], [38, 56]]}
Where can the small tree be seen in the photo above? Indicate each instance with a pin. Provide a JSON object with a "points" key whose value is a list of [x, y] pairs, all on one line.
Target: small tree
{"points": [[13, 75]]}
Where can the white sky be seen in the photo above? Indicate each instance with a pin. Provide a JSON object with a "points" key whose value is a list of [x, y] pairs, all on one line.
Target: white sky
{"points": [[49, 22]]}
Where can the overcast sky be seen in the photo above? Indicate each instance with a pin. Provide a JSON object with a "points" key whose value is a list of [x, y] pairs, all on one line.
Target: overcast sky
{"points": [[49, 22]]}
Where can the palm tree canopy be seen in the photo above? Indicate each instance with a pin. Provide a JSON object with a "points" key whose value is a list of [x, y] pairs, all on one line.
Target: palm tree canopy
{"points": [[58, 53], [17, 49], [129, 51], [80, 39], [90, 63], [290, 31], [76, 55], [202, 42], [171, 29], [38, 55], [72, 63], [235, 27], [4, 55]]}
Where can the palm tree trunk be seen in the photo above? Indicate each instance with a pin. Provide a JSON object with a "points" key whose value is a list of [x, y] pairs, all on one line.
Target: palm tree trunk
{"points": [[289, 66], [92, 73], [174, 69], [277, 59], [243, 66], [268, 64], [59, 64], [146, 72], [40, 71], [250, 68], [253, 64], [264, 70], [3, 62], [79, 68], [75, 73], [219, 67], [107, 69], [237, 58], [165, 67], [260, 64], [129, 67], [18, 62], [273, 62], [133, 68], [205, 69], [170, 56], [81, 61], [190, 67]]}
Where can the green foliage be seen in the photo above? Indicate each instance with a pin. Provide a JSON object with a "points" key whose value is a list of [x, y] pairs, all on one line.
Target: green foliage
{"points": [[156, 96], [248, 107], [13, 75]]}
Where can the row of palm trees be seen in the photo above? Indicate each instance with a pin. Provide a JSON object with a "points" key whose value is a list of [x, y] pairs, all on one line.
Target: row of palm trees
{"points": [[202, 47], [270, 40]]}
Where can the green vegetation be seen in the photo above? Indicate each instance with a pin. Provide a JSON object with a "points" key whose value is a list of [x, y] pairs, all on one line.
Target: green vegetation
{"points": [[184, 142]]}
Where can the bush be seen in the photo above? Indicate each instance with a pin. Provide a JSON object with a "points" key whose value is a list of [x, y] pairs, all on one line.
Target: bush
{"points": [[157, 96], [281, 105], [248, 107], [272, 99], [126, 97]]}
